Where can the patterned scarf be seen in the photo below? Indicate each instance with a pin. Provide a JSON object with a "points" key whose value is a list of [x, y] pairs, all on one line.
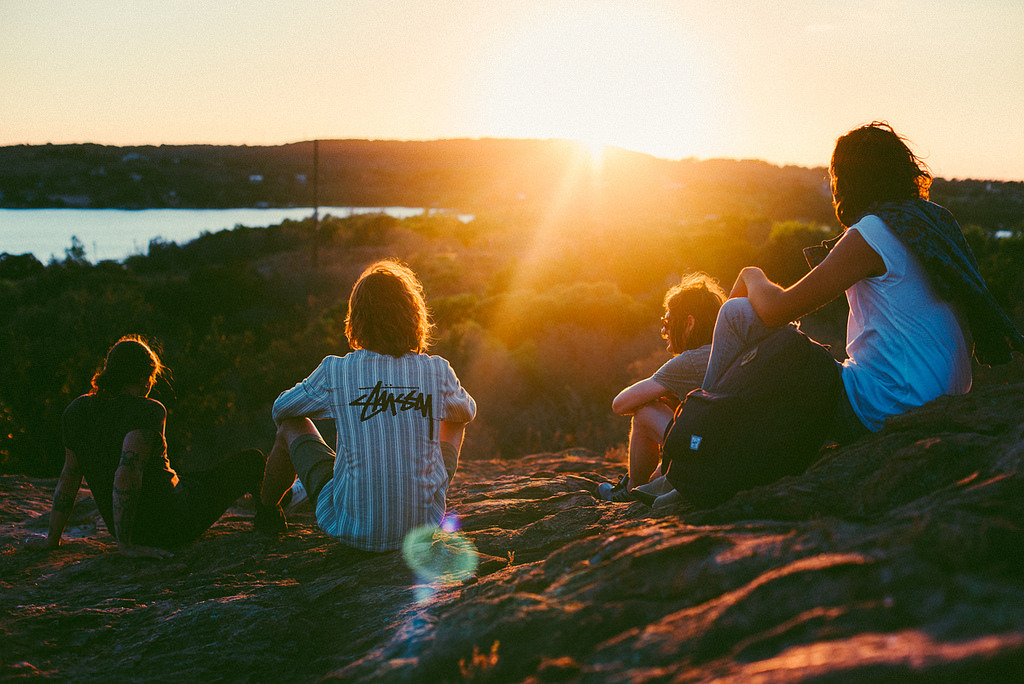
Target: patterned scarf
{"points": [[930, 232]]}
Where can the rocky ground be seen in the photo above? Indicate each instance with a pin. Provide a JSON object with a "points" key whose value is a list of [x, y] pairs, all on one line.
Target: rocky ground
{"points": [[899, 557]]}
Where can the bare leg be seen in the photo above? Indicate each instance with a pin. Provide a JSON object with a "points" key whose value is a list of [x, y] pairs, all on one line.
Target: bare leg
{"points": [[280, 474], [645, 438]]}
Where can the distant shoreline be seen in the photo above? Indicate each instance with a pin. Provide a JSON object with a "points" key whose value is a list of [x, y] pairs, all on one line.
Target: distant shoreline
{"points": [[116, 234], [462, 174]]}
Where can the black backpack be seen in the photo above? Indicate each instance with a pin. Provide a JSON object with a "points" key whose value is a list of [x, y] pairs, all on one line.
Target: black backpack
{"points": [[766, 417]]}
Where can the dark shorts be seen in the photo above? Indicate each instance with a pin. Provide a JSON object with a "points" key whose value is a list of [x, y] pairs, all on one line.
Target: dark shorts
{"points": [[313, 461], [846, 426], [199, 500]]}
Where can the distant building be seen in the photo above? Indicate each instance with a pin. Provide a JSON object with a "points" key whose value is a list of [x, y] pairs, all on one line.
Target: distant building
{"points": [[73, 200]]}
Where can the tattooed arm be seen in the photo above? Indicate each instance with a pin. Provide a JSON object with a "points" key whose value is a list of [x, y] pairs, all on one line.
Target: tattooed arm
{"points": [[64, 496], [135, 453]]}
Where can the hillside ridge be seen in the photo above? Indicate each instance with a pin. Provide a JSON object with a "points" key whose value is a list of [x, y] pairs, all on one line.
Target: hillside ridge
{"points": [[471, 175]]}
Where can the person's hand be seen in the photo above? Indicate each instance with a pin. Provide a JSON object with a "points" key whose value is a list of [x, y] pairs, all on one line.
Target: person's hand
{"points": [[132, 551], [41, 544]]}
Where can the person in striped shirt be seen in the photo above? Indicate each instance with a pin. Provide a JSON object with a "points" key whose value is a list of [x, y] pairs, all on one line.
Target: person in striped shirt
{"points": [[400, 416]]}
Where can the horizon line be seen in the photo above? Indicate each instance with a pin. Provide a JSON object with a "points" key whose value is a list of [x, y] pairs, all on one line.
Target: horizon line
{"points": [[692, 158]]}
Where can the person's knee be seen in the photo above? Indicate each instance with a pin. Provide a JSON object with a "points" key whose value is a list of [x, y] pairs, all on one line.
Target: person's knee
{"points": [[246, 466], [254, 460], [650, 421], [290, 428], [736, 308]]}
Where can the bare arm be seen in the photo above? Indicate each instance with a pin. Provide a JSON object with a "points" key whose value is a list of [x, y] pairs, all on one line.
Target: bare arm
{"points": [[636, 395], [459, 410], [850, 261], [64, 496], [450, 435], [135, 453]]}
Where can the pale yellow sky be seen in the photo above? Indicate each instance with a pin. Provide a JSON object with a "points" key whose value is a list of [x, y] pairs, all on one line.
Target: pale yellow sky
{"points": [[776, 80]]}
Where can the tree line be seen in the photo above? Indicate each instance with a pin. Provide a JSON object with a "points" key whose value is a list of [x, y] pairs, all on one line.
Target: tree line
{"points": [[525, 177], [544, 319]]}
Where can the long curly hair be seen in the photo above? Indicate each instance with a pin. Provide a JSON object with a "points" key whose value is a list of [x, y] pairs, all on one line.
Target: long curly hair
{"points": [[387, 312], [873, 164], [130, 361]]}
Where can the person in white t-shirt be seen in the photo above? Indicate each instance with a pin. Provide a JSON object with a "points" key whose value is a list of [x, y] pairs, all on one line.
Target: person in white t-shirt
{"points": [[400, 416], [906, 344]]}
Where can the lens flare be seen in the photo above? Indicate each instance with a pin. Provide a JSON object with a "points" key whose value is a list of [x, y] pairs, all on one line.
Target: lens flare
{"points": [[450, 523], [438, 555]]}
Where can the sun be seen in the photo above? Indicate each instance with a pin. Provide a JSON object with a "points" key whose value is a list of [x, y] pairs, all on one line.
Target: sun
{"points": [[595, 151], [600, 75]]}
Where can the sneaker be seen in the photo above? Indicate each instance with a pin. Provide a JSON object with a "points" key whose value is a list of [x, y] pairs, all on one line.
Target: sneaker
{"points": [[648, 493], [269, 519], [617, 492]]}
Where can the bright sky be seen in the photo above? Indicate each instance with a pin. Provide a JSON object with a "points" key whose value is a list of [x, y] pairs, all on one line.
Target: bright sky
{"points": [[775, 80]]}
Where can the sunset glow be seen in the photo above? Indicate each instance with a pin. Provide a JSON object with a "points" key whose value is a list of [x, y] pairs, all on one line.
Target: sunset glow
{"points": [[599, 75], [776, 81]]}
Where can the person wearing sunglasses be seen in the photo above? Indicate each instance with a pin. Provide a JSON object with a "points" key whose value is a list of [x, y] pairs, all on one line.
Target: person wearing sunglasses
{"points": [[691, 308]]}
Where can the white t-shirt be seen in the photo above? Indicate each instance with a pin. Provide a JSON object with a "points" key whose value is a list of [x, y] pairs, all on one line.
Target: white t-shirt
{"points": [[905, 344]]}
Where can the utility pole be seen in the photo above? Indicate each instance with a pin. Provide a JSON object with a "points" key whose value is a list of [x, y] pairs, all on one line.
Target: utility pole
{"points": [[316, 201]]}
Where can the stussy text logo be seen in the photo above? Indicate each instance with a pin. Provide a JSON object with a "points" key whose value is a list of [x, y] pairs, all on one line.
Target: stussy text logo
{"points": [[380, 398]]}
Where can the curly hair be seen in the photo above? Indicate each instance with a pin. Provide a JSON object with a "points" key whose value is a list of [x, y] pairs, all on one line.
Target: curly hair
{"points": [[698, 295], [873, 164], [387, 313], [130, 361]]}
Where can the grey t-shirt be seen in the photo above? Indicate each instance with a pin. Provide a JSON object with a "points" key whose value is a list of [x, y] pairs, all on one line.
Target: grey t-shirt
{"points": [[684, 372]]}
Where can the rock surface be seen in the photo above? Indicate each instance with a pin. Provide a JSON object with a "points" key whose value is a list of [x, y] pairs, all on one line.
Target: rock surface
{"points": [[898, 557]]}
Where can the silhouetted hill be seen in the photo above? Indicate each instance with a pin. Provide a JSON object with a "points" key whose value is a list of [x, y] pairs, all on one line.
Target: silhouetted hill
{"points": [[496, 175]]}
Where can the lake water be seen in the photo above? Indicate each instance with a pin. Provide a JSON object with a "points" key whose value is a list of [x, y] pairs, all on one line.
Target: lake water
{"points": [[119, 233]]}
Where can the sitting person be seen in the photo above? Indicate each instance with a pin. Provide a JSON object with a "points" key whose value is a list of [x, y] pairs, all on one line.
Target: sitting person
{"points": [[691, 308], [918, 305], [114, 438], [400, 417]]}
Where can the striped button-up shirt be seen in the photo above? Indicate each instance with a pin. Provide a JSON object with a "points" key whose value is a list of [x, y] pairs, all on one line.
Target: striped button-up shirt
{"points": [[389, 475]]}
